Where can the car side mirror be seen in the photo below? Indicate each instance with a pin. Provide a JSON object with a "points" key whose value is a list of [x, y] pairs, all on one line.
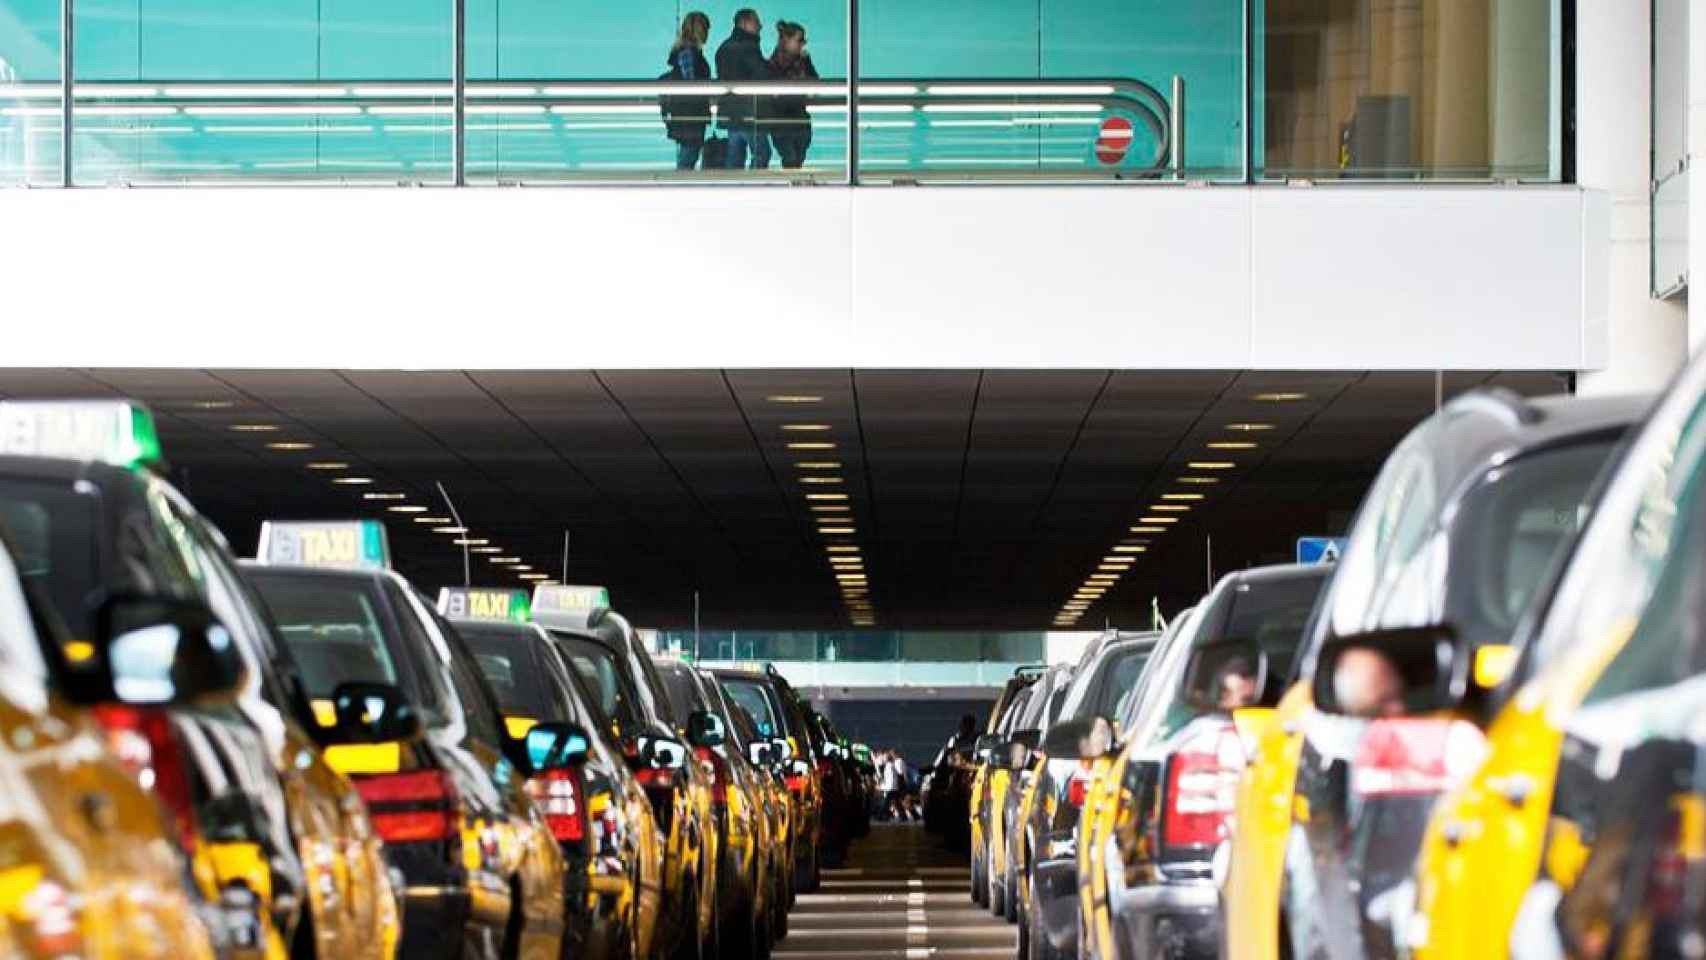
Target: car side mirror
{"points": [[987, 746], [372, 713], [1065, 739], [166, 651], [662, 753], [1390, 673], [556, 746], [706, 729], [784, 749], [761, 754]]}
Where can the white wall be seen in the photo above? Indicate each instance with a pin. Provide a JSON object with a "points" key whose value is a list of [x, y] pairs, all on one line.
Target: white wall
{"points": [[1351, 277]]}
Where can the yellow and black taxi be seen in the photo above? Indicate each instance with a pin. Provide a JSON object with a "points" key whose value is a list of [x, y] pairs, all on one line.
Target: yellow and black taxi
{"points": [[90, 864], [1068, 763], [413, 723], [743, 873], [1607, 672], [771, 798], [989, 784], [278, 840], [1008, 862], [595, 808], [1445, 558], [608, 652], [777, 713]]}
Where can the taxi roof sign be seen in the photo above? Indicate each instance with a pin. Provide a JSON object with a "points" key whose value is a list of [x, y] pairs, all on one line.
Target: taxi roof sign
{"points": [[340, 544], [568, 605], [116, 432], [485, 603]]}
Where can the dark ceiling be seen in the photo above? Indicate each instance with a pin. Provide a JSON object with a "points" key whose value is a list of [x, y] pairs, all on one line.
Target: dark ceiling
{"points": [[979, 499]]}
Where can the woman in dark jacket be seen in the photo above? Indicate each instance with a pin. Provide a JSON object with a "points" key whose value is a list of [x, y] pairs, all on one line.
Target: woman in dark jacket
{"points": [[686, 117], [789, 121]]}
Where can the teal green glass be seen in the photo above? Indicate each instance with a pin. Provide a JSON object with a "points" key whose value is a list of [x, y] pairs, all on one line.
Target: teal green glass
{"points": [[30, 117], [859, 646]]}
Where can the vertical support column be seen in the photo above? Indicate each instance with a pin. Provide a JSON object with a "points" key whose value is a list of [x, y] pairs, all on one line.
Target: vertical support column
{"points": [[67, 75], [852, 93], [1176, 128], [458, 92], [1696, 174]]}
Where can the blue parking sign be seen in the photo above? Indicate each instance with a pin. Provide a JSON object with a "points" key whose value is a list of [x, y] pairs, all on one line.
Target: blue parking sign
{"points": [[1319, 549]]}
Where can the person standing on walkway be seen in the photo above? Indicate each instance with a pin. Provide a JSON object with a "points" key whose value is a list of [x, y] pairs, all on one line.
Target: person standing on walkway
{"points": [[790, 122], [741, 63], [686, 117]]}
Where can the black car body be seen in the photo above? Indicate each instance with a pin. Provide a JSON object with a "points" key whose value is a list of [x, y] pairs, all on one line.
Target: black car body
{"points": [[1457, 536], [1182, 756], [1003, 718], [1108, 671], [779, 715], [1040, 713]]}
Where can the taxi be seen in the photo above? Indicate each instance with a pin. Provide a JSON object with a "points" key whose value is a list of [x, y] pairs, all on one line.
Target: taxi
{"points": [[989, 784], [1447, 556], [771, 798], [607, 650], [409, 719], [1026, 758], [279, 841], [1615, 624], [89, 865], [598, 812], [776, 713]]}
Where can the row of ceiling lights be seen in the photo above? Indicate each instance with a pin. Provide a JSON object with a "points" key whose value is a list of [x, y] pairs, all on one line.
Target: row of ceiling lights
{"points": [[820, 475], [390, 501], [1164, 513]]}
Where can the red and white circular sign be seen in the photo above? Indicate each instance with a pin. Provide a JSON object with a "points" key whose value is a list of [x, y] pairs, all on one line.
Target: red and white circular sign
{"points": [[1113, 140]]}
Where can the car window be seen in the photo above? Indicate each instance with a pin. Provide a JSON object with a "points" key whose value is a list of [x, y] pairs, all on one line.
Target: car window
{"points": [[512, 669], [750, 696], [53, 534], [1120, 675], [1390, 529], [600, 669], [23, 672], [334, 630], [684, 694]]}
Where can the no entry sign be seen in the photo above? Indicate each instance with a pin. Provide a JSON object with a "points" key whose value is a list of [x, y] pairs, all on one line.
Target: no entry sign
{"points": [[1113, 140]]}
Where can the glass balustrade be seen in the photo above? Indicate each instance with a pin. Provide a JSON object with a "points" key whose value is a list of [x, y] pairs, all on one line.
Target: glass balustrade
{"points": [[366, 91], [858, 646]]}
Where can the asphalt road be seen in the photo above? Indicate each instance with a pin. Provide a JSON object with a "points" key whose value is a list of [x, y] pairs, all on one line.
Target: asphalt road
{"points": [[900, 896]]}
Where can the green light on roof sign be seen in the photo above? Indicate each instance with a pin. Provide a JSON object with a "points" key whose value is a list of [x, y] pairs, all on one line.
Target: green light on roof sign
{"points": [[107, 431], [357, 544], [485, 603]]}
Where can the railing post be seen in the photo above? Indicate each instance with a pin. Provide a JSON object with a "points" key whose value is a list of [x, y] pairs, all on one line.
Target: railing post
{"points": [[67, 73], [852, 93], [458, 92], [1176, 128]]}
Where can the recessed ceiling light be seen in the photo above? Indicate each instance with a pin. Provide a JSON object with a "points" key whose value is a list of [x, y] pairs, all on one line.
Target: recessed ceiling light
{"points": [[1249, 427], [213, 404], [449, 529], [842, 548], [847, 561], [819, 465], [1157, 520], [487, 550], [1148, 529], [1211, 464], [534, 576], [826, 496], [1232, 445], [1182, 496], [406, 508], [353, 481], [805, 427], [794, 398], [1130, 548], [1170, 507], [836, 530], [290, 445], [1113, 567], [1281, 396], [1104, 577], [812, 445], [383, 496], [328, 465], [254, 428], [504, 559], [520, 567], [820, 480], [470, 542], [830, 508], [1199, 479], [432, 519]]}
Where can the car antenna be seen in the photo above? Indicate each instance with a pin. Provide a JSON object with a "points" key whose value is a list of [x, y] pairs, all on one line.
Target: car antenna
{"points": [[467, 575], [565, 555]]}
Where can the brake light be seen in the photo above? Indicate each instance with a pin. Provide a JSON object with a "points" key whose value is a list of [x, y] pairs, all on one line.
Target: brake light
{"points": [[661, 778], [145, 746], [560, 797], [1415, 755], [1078, 787], [718, 768], [409, 807], [1202, 776]]}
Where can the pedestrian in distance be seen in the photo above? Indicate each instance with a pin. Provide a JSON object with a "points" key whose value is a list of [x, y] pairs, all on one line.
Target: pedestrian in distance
{"points": [[686, 117], [790, 122], [741, 63]]}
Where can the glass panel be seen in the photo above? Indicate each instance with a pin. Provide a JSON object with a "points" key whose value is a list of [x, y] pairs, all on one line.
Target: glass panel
{"points": [[1426, 89], [251, 90], [1050, 89], [1670, 147], [30, 109], [1670, 237], [564, 91]]}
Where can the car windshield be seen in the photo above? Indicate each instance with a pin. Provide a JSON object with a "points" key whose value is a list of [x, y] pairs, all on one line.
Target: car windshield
{"points": [[52, 530], [750, 696], [334, 629], [509, 658]]}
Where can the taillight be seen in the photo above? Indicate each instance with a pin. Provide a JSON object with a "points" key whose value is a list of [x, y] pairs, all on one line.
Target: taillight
{"points": [[559, 796], [796, 782], [410, 807], [718, 770], [1669, 869], [1415, 755], [1078, 787], [144, 744], [662, 778], [1202, 776]]}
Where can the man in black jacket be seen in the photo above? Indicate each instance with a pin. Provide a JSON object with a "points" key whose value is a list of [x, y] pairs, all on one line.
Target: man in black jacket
{"points": [[740, 62]]}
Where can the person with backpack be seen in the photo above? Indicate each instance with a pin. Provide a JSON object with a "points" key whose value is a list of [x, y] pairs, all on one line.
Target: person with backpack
{"points": [[789, 122], [686, 117], [741, 63]]}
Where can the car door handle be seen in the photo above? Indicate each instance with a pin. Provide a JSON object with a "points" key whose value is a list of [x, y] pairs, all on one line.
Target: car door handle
{"points": [[1516, 788]]}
